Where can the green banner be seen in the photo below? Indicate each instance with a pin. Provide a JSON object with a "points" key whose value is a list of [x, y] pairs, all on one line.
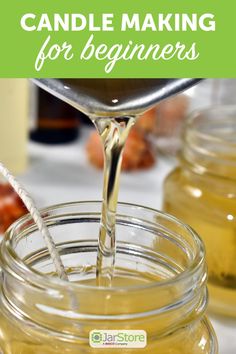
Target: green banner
{"points": [[116, 39]]}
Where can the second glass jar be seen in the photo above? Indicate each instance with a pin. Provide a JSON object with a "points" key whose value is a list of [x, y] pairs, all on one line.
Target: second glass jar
{"points": [[201, 191]]}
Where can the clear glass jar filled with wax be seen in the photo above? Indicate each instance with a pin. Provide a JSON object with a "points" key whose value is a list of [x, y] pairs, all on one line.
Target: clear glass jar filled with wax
{"points": [[158, 289], [202, 193]]}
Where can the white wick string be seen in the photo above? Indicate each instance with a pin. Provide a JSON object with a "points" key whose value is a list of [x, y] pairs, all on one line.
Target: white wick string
{"points": [[36, 216]]}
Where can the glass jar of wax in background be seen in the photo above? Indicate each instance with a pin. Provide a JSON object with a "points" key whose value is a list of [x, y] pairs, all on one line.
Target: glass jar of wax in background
{"points": [[202, 193], [159, 284]]}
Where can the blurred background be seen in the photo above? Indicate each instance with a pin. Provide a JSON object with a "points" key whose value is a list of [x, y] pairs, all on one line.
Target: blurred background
{"points": [[56, 153]]}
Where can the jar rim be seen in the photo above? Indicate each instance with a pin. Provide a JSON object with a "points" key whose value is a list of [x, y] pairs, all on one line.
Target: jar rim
{"points": [[16, 265], [195, 115], [209, 142]]}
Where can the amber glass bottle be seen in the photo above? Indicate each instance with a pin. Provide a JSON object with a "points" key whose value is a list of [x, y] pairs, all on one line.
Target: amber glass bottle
{"points": [[56, 121]]}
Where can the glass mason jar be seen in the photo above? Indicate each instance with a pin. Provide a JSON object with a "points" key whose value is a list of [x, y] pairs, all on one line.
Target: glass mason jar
{"points": [[202, 193], [159, 285]]}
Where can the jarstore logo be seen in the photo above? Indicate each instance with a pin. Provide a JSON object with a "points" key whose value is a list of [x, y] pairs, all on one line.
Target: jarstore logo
{"points": [[118, 339]]}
